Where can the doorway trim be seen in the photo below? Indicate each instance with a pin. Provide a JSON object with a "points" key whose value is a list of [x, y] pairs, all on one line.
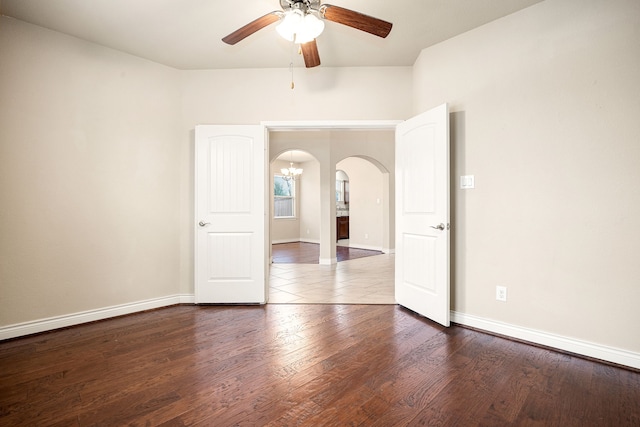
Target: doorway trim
{"points": [[283, 126]]}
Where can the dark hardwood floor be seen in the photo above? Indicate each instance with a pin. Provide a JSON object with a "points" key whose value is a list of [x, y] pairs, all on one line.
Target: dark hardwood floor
{"points": [[309, 253], [308, 365]]}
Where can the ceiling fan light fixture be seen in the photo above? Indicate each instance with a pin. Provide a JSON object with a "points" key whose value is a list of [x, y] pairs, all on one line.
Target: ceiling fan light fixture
{"points": [[311, 28], [298, 27], [288, 27]]}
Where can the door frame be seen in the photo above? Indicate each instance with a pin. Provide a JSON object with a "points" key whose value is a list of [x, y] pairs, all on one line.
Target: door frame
{"points": [[283, 126]]}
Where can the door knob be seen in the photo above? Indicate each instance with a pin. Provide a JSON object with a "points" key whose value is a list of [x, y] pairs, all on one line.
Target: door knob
{"points": [[202, 223], [438, 227]]}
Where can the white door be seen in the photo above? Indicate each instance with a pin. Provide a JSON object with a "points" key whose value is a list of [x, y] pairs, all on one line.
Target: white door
{"points": [[230, 222], [422, 214]]}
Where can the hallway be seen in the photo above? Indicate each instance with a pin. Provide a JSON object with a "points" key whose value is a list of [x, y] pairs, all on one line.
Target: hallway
{"points": [[368, 280]]}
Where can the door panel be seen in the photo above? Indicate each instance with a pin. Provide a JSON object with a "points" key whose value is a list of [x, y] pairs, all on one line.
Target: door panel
{"points": [[230, 193], [422, 214], [418, 265]]}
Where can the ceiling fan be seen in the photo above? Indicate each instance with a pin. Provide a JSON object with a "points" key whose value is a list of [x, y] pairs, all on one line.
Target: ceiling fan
{"points": [[301, 22]]}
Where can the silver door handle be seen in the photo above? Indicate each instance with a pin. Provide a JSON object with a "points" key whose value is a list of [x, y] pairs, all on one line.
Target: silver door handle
{"points": [[438, 227], [202, 223]]}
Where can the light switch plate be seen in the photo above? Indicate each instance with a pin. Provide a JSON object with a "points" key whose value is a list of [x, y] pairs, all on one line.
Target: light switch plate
{"points": [[467, 181]]}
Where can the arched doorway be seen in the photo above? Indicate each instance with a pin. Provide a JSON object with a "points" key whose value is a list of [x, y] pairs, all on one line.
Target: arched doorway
{"points": [[367, 203]]}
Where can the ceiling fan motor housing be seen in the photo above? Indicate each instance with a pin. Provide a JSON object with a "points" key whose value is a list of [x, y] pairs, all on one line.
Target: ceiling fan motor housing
{"points": [[305, 6]]}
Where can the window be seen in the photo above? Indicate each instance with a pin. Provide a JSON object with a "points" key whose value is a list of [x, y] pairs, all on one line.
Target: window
{"points": [[284, 193], [342, 187]]}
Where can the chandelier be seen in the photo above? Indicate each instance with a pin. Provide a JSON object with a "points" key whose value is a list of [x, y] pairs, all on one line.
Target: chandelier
{"points": [[290, 172]]}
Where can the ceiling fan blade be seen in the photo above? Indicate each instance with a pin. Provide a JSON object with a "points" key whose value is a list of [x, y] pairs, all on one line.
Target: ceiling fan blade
{"points": [[310, 54], [252, 27], [357, 20]]}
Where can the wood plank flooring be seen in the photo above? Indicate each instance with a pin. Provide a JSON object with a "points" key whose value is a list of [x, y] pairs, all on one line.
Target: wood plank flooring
{"points": [[302, 365], [309, 253]]}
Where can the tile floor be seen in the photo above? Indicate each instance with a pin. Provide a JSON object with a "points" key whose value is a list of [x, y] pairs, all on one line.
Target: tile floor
{"points": [[359, 281]]}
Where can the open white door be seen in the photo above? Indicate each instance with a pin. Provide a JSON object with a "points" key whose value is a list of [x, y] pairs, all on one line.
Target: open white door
{"points": [[422, 214], [230, 222]]}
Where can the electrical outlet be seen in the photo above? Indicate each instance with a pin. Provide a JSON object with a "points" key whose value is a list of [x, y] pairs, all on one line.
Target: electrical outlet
{"points": [[501, 293], [366, 235]]}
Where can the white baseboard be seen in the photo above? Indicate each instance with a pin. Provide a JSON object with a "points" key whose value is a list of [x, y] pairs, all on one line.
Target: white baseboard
{"points": [[316, 241], [48, 324], [328, 261], [584, 348], [280, 241], [367, 247]]}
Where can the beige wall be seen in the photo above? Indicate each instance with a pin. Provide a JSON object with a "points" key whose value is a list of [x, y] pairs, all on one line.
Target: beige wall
{"points": [[546, 108], [310, 202], [365, 205], [88, 176], [250, 96]]}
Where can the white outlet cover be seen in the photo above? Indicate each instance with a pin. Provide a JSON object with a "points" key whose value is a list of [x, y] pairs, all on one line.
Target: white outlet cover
{"points": [[467, 182], [501, 293]]}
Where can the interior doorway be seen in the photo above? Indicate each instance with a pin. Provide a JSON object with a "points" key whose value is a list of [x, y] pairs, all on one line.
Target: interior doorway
{"points": [[232, 251], [367, 280]]}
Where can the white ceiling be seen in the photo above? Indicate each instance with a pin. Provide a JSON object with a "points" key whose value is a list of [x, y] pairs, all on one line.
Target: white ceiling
{"points": [[186, 34], [295, 156]]}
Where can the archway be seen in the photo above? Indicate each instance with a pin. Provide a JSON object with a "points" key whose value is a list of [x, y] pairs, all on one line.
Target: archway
{"points": [[294, 212], [368, 206]]}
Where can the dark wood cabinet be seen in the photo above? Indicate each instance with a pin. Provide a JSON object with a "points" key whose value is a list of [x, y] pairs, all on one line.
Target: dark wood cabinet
{"points": [[342, 227]]}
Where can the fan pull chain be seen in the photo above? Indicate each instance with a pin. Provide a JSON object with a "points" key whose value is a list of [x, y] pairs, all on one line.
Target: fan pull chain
{"points": [[291, 70], [293, 46]]}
